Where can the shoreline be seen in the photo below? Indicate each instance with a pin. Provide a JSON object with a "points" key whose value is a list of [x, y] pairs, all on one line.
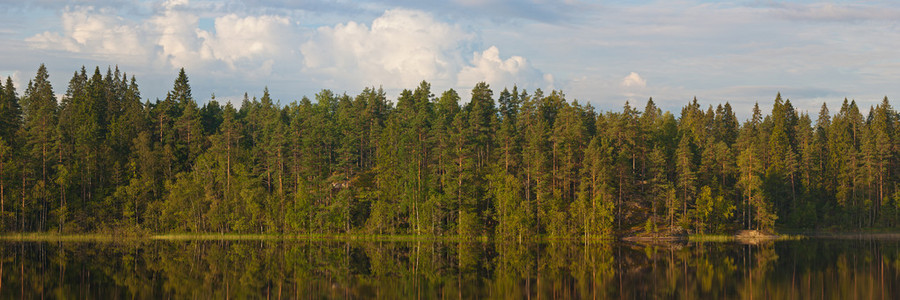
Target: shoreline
{"points": [[737, 237]]}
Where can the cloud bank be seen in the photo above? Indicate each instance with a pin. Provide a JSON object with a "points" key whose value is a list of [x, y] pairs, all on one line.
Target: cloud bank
{"points": [[489, 67], [396, 50], [172, 38], [737, 51], [401, 48]]}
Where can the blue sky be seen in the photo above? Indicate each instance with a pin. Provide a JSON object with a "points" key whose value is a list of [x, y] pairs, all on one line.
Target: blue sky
{"points": [[602, 52]]}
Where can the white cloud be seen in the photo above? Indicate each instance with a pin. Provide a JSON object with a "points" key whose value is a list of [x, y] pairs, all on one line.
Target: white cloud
{"points": [[396, 50], [634, 80], [172, 36], [487, 66], [177, 35], [96, 32], [401, 48], [170, 4], [253, 41]]}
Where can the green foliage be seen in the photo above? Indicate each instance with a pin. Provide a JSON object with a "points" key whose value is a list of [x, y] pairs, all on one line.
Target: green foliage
{"points": [[712, 213], [511, 217], [519, 166]]}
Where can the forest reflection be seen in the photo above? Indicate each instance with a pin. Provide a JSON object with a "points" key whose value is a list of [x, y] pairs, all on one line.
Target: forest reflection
{"points": [[291, 269]]}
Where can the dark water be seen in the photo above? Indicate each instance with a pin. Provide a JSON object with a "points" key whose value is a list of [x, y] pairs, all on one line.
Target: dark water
{"points": [[814, 268]]}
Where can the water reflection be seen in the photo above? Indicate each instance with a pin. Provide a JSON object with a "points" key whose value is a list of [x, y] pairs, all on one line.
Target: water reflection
{"points": [[832, 269]]}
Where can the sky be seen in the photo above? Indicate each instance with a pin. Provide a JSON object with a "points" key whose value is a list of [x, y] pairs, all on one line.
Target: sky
{"points": [[599, 52]]}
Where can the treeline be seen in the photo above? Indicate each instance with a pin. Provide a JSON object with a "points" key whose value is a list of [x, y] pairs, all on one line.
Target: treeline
{"points": [[509, 165]]}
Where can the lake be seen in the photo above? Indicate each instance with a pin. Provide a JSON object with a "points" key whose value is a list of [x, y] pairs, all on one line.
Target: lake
{"points": [[299, 269]]}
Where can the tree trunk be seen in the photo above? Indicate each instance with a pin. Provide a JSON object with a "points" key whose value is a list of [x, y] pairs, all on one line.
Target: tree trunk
{"points": [[459, 170], [723, 174], [619, 200], [749, 189], [62, 194], [22, 229], [2, 195], [685, 188], [281, 190], [419, 183], [880, 189], [227, 165], [506, 157], [43, 214], [793, 193]]}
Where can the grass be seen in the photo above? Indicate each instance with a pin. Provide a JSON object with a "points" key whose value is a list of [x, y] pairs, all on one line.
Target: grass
{"points": [[710, 238], [55, 237], [791, 237], [857, 235], [312, 237], [120, 237], [112, 237], [721, 238]]}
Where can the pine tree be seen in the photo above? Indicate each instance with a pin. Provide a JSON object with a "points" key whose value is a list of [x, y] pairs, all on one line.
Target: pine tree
{"points": [[684, 162], [525, 166], [535, 163], [10, 111], [446, 109], [189, 143], [481, 127], [10, 123], [758, 211], [39, 117], [508, 135], [882, 140]]}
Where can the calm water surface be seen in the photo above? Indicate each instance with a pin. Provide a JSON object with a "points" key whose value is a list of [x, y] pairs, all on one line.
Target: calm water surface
{"points": [[813, 268]]}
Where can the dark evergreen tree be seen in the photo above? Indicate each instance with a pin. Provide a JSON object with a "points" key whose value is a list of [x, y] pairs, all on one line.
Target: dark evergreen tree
{"points": [[40, 110], [526, 166], [10, 124]]}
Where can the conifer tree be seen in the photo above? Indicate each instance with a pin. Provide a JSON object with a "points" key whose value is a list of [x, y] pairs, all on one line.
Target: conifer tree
{"points": [[525, 166], [39, 123], [10, 123]]}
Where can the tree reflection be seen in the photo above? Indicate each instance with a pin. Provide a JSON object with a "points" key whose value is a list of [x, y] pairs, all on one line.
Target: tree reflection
{"points": [[293, 269]]}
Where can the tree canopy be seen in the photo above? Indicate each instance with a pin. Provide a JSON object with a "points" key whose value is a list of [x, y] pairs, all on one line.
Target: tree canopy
{"points": [[522, 165]]}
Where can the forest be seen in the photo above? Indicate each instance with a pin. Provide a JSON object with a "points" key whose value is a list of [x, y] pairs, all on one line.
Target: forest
{"points": [[509, 165]]}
